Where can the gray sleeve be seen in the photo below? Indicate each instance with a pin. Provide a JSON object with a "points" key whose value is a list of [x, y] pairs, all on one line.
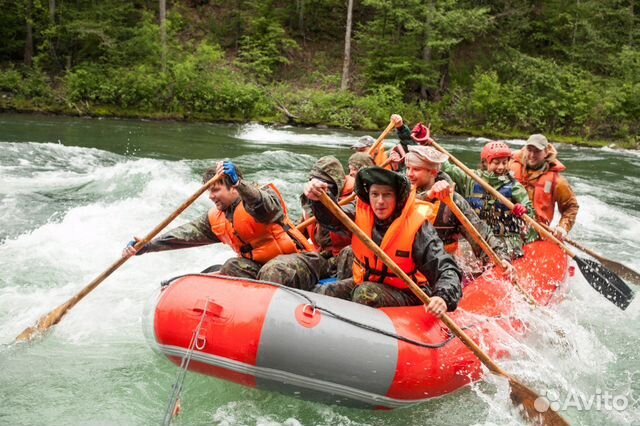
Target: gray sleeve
{"points": [[437, 266], [193, 234]]}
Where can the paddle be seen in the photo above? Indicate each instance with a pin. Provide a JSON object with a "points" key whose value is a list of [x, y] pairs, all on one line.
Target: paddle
{"points": [[311, 220], [53, 317], [520, 393], [600, 278], [475, 234], [381, 138], [622, 270]]}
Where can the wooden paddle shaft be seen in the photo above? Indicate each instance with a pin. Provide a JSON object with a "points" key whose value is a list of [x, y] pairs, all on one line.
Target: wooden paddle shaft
{"points": [[504, 200], [337, 211], [520, 393], [381, 138], [56, 315], [311, 220], [475, 234]]}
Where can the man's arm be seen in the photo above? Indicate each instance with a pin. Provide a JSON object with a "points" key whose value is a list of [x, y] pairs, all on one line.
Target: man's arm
{"points": [[462, 181], [325, 218], [567, 203], [438, 266], [193, 234]]}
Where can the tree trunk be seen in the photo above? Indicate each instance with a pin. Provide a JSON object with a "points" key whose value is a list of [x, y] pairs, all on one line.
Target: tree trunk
{"points": [[52, 12], [344, 85], [28, 44], [575, 31], [300, 4], [163, 33], [632, 21], [426, 49]]}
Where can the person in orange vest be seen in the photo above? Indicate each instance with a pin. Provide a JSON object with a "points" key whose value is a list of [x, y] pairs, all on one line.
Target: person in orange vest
{"points": [[432, 184], [363, 145], [331, 242], [537, 168], [252, 221], [387, 210], [358, 161]]}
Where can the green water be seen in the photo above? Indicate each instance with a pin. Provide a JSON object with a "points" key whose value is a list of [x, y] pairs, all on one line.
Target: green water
{"points": [[73, 193]]}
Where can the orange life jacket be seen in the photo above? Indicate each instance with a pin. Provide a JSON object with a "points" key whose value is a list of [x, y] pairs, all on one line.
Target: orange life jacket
{"points": [[397, 243], [338, 241], [541, 188], [257, 241], [380, 156]]}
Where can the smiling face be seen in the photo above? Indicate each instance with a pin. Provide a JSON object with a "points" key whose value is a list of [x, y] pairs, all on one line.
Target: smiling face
{"points": [[382, 199], [535, 157], [222, 196], [499, 166], [421, 174]]}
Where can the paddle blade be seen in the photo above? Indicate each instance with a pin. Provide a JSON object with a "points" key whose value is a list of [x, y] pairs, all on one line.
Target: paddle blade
{"points": [[536, 408], [606, 282], [44, 323]]}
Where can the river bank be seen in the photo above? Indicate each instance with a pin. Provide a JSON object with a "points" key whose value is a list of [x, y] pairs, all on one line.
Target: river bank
{"points": [[10, 104]]}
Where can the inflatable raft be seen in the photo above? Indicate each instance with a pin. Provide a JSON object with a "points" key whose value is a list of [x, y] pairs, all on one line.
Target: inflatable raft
{"points": [[334, 351]]}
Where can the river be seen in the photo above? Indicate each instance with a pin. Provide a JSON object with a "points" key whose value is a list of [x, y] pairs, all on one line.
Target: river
{"points": [[74, 191]]}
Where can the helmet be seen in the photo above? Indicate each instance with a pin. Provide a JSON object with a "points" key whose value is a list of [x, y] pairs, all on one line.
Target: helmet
{"points": [[495, 149], [420, 133]]}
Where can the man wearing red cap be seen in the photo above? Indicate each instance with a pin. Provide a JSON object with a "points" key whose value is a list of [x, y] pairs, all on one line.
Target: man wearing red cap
{"points": [[537, 168]]}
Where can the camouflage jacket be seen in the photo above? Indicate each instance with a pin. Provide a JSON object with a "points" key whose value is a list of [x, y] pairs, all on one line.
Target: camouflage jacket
{"points": [[465, 185], [262, 204]]}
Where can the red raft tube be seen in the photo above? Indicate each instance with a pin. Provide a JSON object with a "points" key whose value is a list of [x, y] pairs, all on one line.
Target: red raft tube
{"points": [[324, 349]]}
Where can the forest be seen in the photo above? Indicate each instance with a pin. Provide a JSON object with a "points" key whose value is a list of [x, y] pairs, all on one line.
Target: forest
{"points": [[503, 68]]}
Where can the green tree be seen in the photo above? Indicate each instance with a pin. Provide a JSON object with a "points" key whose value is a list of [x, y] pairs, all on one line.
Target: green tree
{"points": [[410, 43]]}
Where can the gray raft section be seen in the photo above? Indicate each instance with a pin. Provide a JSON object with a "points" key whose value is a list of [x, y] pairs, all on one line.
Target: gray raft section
{"points": [[334, 362]]}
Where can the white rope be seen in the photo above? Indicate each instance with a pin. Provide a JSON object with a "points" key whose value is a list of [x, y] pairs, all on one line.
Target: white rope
{"points": [[182, 371]]}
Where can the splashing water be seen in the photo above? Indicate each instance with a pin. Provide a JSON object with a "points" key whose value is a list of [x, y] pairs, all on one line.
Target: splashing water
{"points": [[69, 208]]}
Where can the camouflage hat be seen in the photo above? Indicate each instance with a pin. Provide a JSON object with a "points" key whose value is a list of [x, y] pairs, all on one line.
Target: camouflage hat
{"points": [[329, 169], [361, 160], [425, 154], [379, 176], [364, 142]]}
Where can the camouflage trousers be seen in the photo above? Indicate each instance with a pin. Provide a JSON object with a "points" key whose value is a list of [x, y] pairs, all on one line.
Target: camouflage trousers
{"points": [[514, 245], [376, 295], [298, 270], [237, 267], [342, 265]]}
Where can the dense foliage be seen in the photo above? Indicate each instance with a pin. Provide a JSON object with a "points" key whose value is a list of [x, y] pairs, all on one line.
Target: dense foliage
{"points": [[511, 66]]}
